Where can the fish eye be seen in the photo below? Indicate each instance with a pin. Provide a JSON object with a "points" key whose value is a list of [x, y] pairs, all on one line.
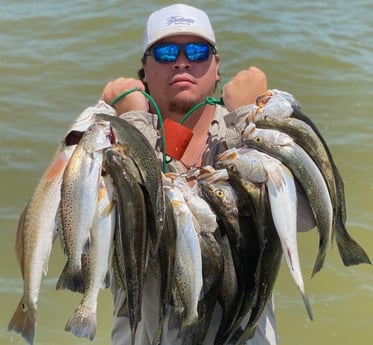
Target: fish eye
{"points": [[219, 193], [232, 167], [258, 139]]}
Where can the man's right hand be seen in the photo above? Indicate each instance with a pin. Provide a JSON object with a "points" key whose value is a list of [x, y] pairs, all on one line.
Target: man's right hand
{"points": [[133, 101]]}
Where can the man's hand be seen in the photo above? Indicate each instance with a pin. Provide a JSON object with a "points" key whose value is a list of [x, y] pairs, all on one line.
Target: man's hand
{"points": [[133, 101], [244, 88]]}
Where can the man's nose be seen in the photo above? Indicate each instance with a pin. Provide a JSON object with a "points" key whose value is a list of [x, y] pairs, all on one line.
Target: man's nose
{"points": [[182, 62]]}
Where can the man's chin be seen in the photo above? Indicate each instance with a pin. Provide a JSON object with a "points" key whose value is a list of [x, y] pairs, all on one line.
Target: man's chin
{"points": [[182, 105]]}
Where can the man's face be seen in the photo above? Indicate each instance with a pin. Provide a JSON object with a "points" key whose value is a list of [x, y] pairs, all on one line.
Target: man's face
{"points": [[178, 85]]}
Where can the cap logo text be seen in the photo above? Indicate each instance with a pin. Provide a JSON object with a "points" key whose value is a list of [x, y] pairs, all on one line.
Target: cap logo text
{"points": [[179, 20]]}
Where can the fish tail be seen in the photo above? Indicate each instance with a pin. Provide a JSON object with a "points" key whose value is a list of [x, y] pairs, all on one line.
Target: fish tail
{"points": [[350, 251], [188, 326], [319, 263], [241, 336], [123, 310], [71, 279], [82, 323], [24, 321], [158, 334], [307, 305], [106, 281], [188, 330]]}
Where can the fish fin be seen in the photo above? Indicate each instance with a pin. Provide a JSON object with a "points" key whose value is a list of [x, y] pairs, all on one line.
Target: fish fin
{"points": [[107, 210], [106, 281], [123, 310], [71, 279], [307, 305], [241, 336], [276, 204], [24, 321], [158, 334], [175, 319], [87, 245], [19, 239], [82, 323], [276, 181], [282, 192], [46, 262], [319, 262], [350, 251], [188, 330]]}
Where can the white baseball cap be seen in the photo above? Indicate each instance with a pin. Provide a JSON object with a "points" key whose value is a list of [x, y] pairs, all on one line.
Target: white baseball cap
{"points": [[178, 19]]}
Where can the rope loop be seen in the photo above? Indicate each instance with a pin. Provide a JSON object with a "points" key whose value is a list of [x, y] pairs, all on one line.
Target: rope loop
{"points": [[208, 100]]}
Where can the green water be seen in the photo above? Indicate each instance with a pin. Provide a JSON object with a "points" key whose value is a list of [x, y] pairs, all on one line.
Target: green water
{"points": [[55, 58]]}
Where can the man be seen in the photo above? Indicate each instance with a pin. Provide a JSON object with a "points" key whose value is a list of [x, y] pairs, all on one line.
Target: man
{"points": [[180, 69]]}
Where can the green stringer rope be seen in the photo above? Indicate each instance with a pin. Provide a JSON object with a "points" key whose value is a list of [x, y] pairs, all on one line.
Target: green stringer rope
{"points": [[208, 100]]}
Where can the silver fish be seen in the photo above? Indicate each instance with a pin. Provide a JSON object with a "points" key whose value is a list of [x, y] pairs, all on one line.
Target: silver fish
{"points": [[250, 164], [137, 147], [212, 273], [269, 261], [188, 274], [237, 220], [37, 229], [95, 263], [35, 236], [131, 236], [276, 103], [78, 199], [312, 142], [283, 147], [167, 257], [201, 210], [228, 292]]}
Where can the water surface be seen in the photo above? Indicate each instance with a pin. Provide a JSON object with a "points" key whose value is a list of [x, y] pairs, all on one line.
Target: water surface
{"points": [[55, 59]]}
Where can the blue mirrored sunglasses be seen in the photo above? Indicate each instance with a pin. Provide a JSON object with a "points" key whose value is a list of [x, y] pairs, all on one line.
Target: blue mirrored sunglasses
{"points": [[169, 52]]}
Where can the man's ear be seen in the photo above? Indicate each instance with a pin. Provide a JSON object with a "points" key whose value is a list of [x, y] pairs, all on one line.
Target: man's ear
{"points": [[217, 59]]}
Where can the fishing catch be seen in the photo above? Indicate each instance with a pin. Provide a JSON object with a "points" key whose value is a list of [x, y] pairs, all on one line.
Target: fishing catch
{"points": [[216, 243]]}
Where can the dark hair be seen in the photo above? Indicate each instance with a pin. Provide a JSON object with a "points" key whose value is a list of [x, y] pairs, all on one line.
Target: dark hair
{"points": [[141, 75]]}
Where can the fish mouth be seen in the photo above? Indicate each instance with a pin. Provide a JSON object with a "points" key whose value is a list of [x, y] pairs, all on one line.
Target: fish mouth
{"points": [[263, 99], [111, 136], [251, 127], [73, 137], [213, 176], [232, 152]]}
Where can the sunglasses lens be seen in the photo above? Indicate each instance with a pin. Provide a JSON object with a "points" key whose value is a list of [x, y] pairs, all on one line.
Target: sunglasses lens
{"points": [[169, 52], [197, 51], [166, 52]]}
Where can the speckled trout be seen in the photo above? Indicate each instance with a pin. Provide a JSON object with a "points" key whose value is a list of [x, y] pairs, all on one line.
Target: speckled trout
{"points": [[135, 145], [305, 134], [95, 263], [251, 165], [283, 147], [188, 261], [36, 228], [79, 191]]}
